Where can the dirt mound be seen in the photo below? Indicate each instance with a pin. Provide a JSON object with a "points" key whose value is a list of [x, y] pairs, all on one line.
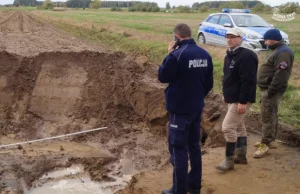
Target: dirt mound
{"points": [[62, 92]]}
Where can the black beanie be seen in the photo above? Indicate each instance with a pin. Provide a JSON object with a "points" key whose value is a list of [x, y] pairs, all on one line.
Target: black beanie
{"points": [[273, 34]]}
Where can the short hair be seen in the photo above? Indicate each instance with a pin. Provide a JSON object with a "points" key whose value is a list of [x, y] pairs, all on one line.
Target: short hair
{"points": [[183, 30]]}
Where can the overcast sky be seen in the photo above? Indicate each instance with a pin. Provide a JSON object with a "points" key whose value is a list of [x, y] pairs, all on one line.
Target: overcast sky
{"points": [[162, 3]]}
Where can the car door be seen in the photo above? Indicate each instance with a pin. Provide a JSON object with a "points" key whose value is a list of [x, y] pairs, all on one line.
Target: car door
{"points": [[210, 28], [221, 30]]}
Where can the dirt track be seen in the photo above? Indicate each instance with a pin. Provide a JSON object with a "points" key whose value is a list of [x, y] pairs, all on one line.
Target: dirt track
{"points": [[52, 84], [23, 34]]}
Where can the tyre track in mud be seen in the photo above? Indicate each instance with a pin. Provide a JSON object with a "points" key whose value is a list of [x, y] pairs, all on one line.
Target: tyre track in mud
{"points": [[7, 18], [18, 21], [21, 22], [12, 23], [30, 21]]}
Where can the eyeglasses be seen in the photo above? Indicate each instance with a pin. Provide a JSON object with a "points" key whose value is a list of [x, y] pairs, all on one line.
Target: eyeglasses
{"points": [[231, 37]]}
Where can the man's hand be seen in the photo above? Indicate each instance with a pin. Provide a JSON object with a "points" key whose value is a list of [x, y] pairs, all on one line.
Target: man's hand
{"points": [[171, 47], [241, 108]]}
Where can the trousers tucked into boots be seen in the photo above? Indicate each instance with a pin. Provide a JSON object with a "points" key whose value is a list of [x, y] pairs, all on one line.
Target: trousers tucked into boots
{"points": [[241, 151], [228, 163]]}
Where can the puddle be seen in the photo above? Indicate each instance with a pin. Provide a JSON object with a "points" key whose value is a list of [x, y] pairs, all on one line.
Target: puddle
{"points": [[76, 186], [81, 183], [127, 167], [74, 169]]}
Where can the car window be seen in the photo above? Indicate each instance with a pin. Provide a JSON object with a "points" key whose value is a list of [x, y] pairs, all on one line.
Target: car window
{"points": [[249, 21], [225, 19], [213, 19]]}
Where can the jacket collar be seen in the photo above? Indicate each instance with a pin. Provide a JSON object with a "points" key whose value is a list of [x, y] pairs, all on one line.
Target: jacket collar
{"points": [[234, 51], [275, 46], [186, 41]]}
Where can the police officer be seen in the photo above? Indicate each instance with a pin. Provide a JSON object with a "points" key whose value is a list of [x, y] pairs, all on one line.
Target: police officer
{"points": [[239, 90], [189, 71], [272, 80]]}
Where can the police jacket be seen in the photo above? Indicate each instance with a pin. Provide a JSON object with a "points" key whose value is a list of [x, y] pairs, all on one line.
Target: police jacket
{"points": [[274, 73], [189, 72], [239, 82]]}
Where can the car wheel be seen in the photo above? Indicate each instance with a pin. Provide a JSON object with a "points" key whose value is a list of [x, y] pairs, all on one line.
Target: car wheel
{"points": [[201, 38]]}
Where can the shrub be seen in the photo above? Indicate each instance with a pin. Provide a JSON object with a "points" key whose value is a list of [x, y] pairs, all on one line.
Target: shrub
{"points": [[131, 9], [203, 8]]}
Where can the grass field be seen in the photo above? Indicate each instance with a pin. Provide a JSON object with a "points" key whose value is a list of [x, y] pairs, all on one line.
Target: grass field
{"points": [[149, 34]]}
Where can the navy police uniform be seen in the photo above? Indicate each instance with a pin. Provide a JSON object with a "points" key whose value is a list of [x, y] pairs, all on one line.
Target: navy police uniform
{"points": [[189, 72]]}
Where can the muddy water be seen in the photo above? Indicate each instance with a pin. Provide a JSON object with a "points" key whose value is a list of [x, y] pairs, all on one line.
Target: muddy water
{"points": [[71, 186], [75, 169], [79, 183], [76, 186]]}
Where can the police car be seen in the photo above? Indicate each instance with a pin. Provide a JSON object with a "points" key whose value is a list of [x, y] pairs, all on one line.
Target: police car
{"points": [[213, 29]]}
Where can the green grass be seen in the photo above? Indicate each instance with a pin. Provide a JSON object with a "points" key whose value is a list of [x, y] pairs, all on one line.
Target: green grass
{"points": [[120, 42], [296, 50], [290, 106], [149, 34], [141, 27], [218, 74]]}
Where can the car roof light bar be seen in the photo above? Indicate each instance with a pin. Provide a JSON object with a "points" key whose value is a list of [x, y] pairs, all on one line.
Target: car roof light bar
{"points": [[228, 10]]}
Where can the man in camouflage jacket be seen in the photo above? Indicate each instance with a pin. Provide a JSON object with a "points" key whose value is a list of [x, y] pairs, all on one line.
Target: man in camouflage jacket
{"points": [[272, 80]]}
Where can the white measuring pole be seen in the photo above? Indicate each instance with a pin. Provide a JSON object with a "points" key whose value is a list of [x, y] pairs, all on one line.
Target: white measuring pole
{"points": [[56, 137]]}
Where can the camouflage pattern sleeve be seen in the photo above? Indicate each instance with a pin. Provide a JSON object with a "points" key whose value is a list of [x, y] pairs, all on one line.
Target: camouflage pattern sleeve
{"points": [[283, 68]]}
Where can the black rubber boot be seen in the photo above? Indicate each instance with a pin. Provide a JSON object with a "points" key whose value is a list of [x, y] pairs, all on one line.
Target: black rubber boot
{"points": [[241, 151], [228, 163], [193, 191]]}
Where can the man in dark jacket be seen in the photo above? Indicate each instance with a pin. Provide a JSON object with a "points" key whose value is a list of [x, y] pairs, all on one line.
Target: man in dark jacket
{"points": [[239, 90], [189, 71], [272, 79]]}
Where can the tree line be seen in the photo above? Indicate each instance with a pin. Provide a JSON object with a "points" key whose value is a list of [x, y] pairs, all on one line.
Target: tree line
{"points": [[256, 6], [27, 3], [78, 3], [145, 7], [119, 3], [219, 4]]}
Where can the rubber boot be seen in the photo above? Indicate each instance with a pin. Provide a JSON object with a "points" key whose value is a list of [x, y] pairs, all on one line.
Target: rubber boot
{"points": [[241, 151], [168, 191], [193, 191], [228, 163]]}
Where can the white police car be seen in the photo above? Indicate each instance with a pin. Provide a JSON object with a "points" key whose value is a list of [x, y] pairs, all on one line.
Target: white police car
{"points": [[213, 29]]}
